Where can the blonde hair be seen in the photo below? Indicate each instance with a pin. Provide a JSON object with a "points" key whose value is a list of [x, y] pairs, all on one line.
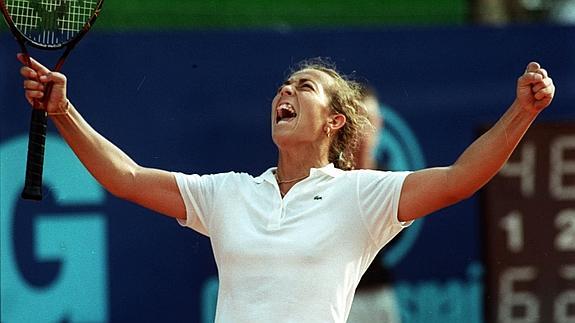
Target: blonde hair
{"points": [[346, 99]]}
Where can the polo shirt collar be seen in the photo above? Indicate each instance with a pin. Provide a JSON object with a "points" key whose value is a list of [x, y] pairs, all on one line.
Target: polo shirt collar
{"points": [[329, 169]]}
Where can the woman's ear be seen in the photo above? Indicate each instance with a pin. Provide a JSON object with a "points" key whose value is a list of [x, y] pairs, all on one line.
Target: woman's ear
{"points": [[336, 121]]}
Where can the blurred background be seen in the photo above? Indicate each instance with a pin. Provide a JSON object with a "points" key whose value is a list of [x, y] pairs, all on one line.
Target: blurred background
{"points": [[187, 86]]}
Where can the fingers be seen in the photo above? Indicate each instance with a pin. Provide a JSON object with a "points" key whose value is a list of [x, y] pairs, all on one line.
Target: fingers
{"points": [[32, 95], [535, 89], [55, 77], [32, 71], [36, 79], [543, 72], [545, 92], [535, 68], [32, 78], [532, 67], [34, 64], [531, 77], [24, 59], [34, 90], [35, 86], [28, 73], [542, 85], [534, 75], [546, 82]]}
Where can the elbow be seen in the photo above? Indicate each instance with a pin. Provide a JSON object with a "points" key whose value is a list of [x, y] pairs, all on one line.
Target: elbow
{"points": [[461, 194], [459, 185], [116, 192], [122, 185]]}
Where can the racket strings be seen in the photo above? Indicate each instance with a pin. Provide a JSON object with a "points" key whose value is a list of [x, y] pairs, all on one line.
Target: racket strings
{"points": [[50, 22]]}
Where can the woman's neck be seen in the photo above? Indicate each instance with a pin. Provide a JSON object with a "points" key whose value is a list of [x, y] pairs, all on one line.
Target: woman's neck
{"points": [[296, 159], [294, 167]]}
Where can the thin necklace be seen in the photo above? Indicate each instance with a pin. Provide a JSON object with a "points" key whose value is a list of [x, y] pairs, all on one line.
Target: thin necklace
{"points": [[289, 180]]}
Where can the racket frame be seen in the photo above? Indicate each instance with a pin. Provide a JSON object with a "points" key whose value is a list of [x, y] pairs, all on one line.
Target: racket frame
{"points": [[39, 119]]}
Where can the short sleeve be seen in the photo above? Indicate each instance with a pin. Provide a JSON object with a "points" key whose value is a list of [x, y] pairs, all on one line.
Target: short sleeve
{"points": [[378, 195], [198, 192]]}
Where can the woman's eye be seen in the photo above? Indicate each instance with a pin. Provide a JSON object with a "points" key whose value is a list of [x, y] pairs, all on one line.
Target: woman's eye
{"points": [[306, 86]]}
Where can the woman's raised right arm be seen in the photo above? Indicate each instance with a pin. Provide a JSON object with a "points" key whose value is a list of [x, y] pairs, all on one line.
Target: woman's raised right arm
{"points": [[117, 172]]}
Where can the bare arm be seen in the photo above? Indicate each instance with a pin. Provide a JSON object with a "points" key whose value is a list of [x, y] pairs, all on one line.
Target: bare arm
{"points": [[118, 173], [431, 189]]}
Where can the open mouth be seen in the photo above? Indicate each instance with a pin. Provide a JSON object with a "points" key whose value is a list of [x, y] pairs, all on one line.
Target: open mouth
{"points": [[285, 113]]}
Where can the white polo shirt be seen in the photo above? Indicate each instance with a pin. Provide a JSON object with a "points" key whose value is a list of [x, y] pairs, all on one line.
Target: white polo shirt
{"points": [[296, 259]]}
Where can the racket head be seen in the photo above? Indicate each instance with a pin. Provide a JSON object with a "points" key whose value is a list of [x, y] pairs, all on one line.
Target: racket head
{"points": [[50, 24]]}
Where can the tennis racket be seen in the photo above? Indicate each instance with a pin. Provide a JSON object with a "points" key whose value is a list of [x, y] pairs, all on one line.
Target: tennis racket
{"points": [[46, 24]]}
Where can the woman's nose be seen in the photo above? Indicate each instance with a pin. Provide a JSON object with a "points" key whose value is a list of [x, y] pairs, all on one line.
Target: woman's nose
{"points": [[287, 90]]}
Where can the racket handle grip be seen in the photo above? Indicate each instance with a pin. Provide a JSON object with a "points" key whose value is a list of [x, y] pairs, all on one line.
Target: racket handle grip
{"points": [[35, 162]]}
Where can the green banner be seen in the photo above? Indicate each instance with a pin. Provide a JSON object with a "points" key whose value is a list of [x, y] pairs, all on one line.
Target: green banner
{"points": [[227, 14], [257, 13]]}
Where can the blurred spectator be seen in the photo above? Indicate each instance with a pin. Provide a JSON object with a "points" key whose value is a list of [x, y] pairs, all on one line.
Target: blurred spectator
{"points": [[563, 12], [499, 12]]}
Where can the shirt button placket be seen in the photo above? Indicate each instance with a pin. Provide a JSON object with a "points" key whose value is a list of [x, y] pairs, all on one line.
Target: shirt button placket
{"points": [[276, 217]]}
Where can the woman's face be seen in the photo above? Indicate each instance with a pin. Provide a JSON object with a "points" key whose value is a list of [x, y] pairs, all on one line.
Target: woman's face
{"points": [[301, 108]]}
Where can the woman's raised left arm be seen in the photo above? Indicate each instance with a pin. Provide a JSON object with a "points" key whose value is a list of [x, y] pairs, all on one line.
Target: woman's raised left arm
{"points": [[431, 189]]}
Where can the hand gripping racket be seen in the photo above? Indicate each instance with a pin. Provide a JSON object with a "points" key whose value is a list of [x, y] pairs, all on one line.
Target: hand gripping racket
{"points": [[46, 24]]}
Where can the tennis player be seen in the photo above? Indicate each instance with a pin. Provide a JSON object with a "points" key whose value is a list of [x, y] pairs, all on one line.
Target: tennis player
{"points": [[292, 243]]}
